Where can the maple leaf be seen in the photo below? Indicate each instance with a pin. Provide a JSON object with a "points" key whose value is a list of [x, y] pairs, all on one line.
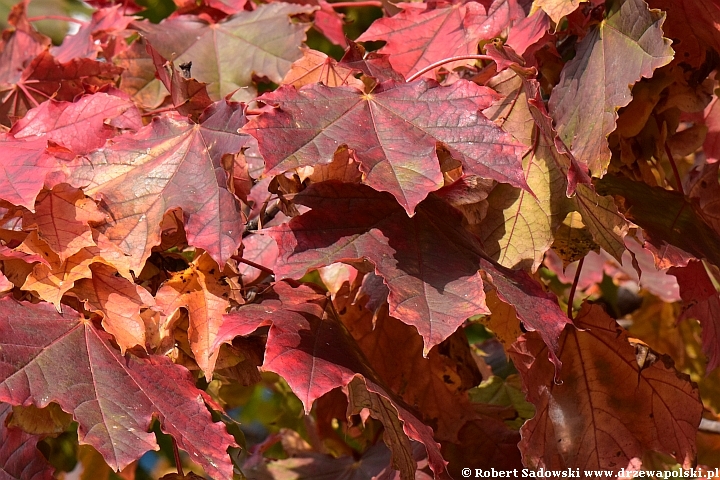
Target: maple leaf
{"points": [[676, 230], [62, 219], [46, 78], [419, 36], [52, 279], [626, 46], [170, 158], [199, 290], [556, 9], [225, 55], [316, 67], [435, 386], [138, 77], [260, 249], [17, 185], [86, 42], [120, 302], [347, 222], [374, 463], [298, 330], [189, 96], [82, 126], [692, 25], [309, 125], [520, 227], [537, 309], [20, 458], [112, 397], [701, 301], [585, 420], [20, 44], [400, 426], [372, 64]]}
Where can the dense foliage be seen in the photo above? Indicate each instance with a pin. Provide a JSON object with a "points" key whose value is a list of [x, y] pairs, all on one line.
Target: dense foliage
{"points": [[480, 234]]}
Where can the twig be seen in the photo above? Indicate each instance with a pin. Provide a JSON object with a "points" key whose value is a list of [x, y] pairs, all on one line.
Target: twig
{"points": [[573, 288], [56, 17], [709, 426], [178, 463], [366, 3], [256, 223], [447, 60], [262, 268], [674, 169]]}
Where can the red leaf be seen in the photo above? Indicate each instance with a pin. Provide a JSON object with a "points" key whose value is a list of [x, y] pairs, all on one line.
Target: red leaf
{"points": [[25, 166], [170, 159], [435, 293], [19, 457], [537, 309], [46, 78], [82, 126], [87, 42], [189, 96], [419, 36], [312, 353], [701, 301], [605, 410], [19, 45], [393, 131], [112, 397]]}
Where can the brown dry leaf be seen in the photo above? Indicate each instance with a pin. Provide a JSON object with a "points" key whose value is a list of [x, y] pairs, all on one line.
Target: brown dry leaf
{"points": [[604, 411], [573, 240], [120, 302], [655, 323], [62, 219], [200, 290], [436, 386], [316, 67]]}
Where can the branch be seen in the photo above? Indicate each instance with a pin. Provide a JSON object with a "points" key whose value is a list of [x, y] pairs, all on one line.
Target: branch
{"points": [[366, 3], [573, 288], [709, 426], [447, 60], [262, 268]]}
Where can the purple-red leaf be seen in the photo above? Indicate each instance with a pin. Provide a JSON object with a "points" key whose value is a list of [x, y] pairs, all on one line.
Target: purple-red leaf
{"points": [[429, 262], [64, 359], [19, 457], [393, 131]]}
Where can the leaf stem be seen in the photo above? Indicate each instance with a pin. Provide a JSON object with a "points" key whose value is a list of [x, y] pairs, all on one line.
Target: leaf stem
{"points": [[674, 169], [262, 268], [573, 288], [62, 18], [442, 62], [366, 3], [178, 463]]}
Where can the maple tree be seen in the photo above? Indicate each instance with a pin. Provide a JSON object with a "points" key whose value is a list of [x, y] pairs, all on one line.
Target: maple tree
{"points": [[252, 237]]}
